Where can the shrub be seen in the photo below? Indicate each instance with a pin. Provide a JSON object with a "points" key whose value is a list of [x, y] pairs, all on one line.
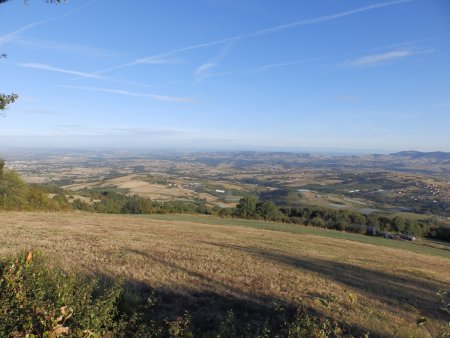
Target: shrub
{"points": [[317, 221], [36, 301], [305, 325], [13, 191], [137, 205], [357, 228]]}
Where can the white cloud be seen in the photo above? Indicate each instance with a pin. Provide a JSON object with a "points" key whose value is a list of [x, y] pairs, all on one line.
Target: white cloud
{"points": [[42, 66], [324, 18], [152, 60], [156, 61], [79, 74], [9, 37], [204, 70], [370, 60], [129, 93], [276, 65], [375, 59], [65, 47], [261, 32]]}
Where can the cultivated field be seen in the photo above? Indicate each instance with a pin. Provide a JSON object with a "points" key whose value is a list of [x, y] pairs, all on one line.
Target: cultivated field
{"points": [[158, 188], [209, 265], [373, 183]]}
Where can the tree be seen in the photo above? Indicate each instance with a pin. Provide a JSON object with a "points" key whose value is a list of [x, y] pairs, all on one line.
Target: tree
{"points": [[246, 207], [268, 210], [412, 227], [398, 224], [357, 218], [341, 220], [6, 99], [137, 205], [385, 223], [13, 191], [373, 224], [317, 221]]}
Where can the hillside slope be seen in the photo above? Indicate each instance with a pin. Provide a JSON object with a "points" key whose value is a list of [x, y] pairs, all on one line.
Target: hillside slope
{"points": [[209, 268]]}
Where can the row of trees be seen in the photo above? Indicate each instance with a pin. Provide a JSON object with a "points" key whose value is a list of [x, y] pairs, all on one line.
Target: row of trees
{"points": [[116, 203], [344, 220], [251, 207], [16, 194]]}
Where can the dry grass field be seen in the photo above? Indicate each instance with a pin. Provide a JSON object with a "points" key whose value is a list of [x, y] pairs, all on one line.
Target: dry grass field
{"points": [[136, 185], [209, 267]]}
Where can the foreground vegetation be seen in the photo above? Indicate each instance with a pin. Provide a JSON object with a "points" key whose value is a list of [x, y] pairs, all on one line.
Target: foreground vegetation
{"points": [[172, 275], [38, 301], [210, 269]]}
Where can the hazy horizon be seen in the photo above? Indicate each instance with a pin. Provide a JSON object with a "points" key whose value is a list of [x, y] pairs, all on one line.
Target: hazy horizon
{"points": [[180, 150], [355, 76]]}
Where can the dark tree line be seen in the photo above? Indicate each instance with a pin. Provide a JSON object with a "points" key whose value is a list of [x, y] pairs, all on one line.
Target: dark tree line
{"points": [[344, 220]]}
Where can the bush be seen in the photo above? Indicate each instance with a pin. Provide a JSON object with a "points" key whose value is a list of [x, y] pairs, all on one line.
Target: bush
{"points": [[16, 194], [317, 221], [137, 205], [13, 191], [357, 228], [305, 325], [442, 232], [36, 301]]}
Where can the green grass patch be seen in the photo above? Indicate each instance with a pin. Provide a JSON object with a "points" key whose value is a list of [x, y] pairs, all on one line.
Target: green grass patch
{"points": [[299, 229]]}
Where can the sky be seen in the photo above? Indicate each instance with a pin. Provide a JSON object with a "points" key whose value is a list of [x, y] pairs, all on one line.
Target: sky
{"points": [[349, 75]]}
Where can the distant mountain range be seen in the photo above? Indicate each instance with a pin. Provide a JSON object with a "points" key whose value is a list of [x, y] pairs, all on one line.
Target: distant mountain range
{"points": [[434, 155]]}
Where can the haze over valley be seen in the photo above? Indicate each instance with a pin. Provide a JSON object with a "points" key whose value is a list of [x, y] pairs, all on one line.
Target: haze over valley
{"points": [[224, 168]]}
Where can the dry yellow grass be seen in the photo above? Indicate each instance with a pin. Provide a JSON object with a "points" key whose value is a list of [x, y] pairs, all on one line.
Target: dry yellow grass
{"points": [[36, 179], [72, 198], [79, 186], [136, 185], [378, 289]]}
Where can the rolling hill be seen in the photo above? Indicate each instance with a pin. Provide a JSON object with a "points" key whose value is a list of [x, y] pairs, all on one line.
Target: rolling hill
{"points": [[209, 266]]}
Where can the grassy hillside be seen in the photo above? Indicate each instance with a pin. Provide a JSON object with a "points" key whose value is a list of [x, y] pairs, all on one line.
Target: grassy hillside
{"points": [[422, 245], [209, 266]]}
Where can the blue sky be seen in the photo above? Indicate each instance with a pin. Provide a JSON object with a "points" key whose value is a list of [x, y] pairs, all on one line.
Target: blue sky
{"points": [[219, 74]]}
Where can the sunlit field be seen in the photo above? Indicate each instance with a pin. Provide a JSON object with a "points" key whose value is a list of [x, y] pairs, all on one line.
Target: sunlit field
{"points": [[209, 265]]}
